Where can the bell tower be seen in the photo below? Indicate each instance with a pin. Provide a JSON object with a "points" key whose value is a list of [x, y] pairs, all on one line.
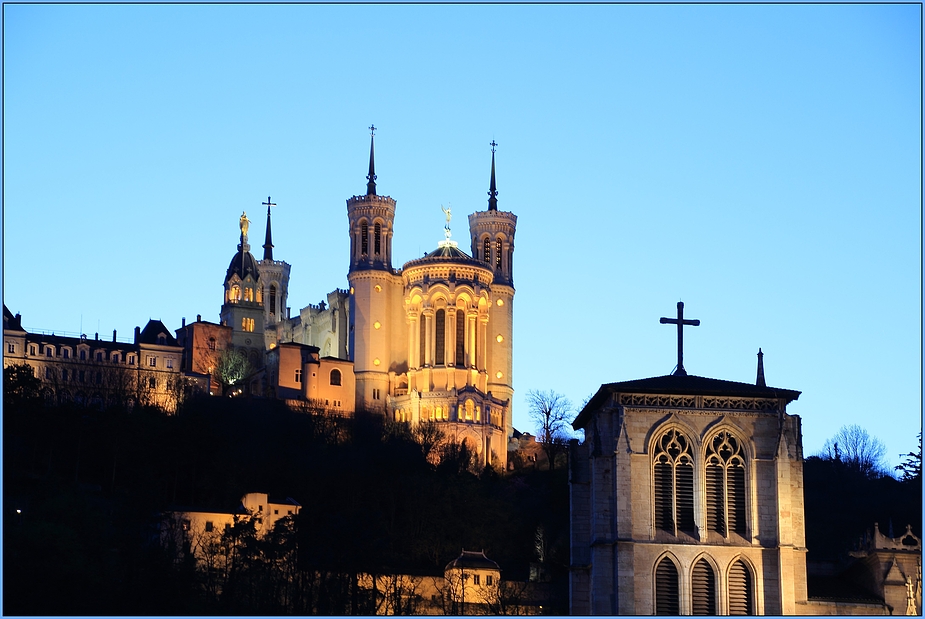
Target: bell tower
{"points": [[274, 278], [242, 309], [373, 289], [492, 234]]}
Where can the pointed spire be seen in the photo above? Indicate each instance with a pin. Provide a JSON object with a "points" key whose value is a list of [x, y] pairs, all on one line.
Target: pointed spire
{"points": [[492, 188], [268, 244], [760, 380], [371, 177]]}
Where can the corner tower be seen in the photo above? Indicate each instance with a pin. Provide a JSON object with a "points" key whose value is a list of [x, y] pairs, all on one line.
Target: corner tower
{"points": [[243, 306], [274, 279], [492, 234], [375, 290]]}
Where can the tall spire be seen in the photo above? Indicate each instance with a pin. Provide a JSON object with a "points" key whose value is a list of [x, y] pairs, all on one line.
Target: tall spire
{"points": [[268, 245], [492, 188], [371, 177], [760, 380]]}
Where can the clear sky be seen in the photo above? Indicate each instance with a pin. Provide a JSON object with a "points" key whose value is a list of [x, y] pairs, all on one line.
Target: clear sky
{"points": [[761, 163]]}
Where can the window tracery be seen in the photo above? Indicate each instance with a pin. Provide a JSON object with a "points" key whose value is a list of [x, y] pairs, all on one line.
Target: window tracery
{"points": [[673, 472], [725, 485]]}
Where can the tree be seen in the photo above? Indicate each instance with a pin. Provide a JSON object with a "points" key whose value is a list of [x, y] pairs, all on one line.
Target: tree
{"points": [[231, 368], [552, 413], [21, 387], [911, 468], [856, 449]]}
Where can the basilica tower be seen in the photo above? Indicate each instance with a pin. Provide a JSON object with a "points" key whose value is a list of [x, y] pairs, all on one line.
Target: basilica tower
{"points": [[492, 235], [243, 306], [274, 278], [375, 291]]}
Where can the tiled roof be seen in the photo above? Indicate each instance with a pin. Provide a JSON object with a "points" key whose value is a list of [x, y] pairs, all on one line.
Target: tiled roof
{"points": [[472, 560], [152, 330]]}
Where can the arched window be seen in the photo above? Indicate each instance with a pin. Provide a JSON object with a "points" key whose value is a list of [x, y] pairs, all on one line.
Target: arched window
{"points": [[460, 337], [673, 470], [377, 237], [469, 408], [422, 340], [666, 588], [235, 294], [725, 485], [364, 238], [498, 247], [272, 299], [703, 589], [440, 339], [486, 251], [741, 598], [335, 377]]}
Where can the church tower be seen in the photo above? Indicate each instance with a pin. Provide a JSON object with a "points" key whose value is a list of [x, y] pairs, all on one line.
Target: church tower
{"points": [[274, 278], [492, 235], [243, 309], [375, 290]]}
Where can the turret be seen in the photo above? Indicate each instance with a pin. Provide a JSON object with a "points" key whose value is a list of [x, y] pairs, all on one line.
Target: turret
{"points": [[274, 279], [371, 217]]}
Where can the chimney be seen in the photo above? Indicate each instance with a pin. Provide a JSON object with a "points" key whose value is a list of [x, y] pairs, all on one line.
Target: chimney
{"points": [[183, 322], [198, 317], [137, 334], [96, 336], [113, 335]]}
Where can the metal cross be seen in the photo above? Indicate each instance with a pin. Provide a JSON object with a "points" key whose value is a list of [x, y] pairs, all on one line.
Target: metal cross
{"points": [[493, 144], [372, 130], [681, 323], [268, 204]]}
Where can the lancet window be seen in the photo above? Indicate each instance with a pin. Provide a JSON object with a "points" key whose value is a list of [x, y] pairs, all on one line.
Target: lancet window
{"points": [[703, 589], [666, 588], [673, 471], [364, 238], [440, 339], [460, 338], [486, 251], [741, 595], [725, 485], [498, 247], [377, 238], [272, 299]]}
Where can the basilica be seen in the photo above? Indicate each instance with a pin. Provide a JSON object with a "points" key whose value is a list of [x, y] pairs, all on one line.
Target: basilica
{"points": [[429, 341]]}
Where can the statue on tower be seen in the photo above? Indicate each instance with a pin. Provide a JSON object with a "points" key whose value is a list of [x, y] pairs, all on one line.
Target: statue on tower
{"points": [[245, 223]]}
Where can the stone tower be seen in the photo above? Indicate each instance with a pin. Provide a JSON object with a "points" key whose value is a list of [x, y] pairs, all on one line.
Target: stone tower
{"points": [[274, 277], [243, 309], [492, 235], [375, 292]]}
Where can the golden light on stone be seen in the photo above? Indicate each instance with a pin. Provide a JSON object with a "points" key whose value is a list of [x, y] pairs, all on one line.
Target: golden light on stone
{"points": [[376, 361], [500, 302], [500, 338], [376, 325], [351, 289], [499, 374], [378, 288]]}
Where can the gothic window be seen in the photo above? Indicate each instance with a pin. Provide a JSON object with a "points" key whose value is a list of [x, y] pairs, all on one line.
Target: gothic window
{"points": [[666, 588], [741, 598], [460, 337], [673, 471], [440, 339], [498, 246], [377, 237], [248, 294], [725, 485], [469, 409], [335, 377], [703, 589], [364, 238], [248, 324], [486, 251], [235, 294], [272, 299], [478, 413]]}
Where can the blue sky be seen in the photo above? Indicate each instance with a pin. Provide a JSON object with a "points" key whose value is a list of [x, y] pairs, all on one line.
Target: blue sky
{"points": [[761, 163]]}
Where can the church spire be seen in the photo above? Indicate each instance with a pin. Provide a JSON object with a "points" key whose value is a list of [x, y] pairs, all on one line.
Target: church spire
{"points": [[492, 188], [371, 177], [268, 245], [760, 380]]}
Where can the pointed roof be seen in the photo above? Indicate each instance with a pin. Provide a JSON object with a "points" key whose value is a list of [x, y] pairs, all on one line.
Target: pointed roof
{"points": [[152, 331], [492, 187], [760, 380], [371, 177], [268, 243], [469, 559]]}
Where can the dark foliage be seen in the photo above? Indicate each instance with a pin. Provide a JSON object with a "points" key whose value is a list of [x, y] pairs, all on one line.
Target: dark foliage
{"points": [[90, 485]]}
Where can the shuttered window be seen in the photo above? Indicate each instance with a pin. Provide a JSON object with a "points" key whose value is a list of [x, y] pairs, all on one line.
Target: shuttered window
{"points": [[460, 338], [364, 238], [486, 251], [703, 589], [666, 588], [673, 472], [377, 238], [741, 598], [725, 485]]}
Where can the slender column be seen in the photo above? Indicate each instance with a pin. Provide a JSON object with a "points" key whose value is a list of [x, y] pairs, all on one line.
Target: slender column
{"points": [[483, 343]]}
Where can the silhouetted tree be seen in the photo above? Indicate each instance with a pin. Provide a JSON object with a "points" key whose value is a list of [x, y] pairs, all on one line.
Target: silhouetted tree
{"points": [[21, 387], [911, 468], [857, 450], [552, 413], [230, 369]]}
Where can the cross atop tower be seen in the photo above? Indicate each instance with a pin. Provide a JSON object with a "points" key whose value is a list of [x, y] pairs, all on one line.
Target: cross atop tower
{"points": [[680, 371], [268, 204], [268, 245], [372, 130]]}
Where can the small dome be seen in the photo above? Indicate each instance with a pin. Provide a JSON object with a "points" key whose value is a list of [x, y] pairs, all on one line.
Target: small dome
{"points": [[446, 253], [242, 263]]}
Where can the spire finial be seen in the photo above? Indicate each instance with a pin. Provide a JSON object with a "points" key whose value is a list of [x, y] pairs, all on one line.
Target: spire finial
{"points": [[760, 380], [268, 245], [448, 211], [681, 322], [371, 177], [492, 188]]}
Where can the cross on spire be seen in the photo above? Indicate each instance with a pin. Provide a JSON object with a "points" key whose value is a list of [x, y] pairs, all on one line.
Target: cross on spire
{"points": [[492, 187], [372, 130], [371, 177], [680, 371]]}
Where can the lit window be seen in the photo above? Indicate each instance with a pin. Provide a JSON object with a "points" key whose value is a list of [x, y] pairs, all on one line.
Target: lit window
{"points": [[499, 374], [500, 338], [500, 302], [364, 239], [498, 246], [247, 324], [376, 361], [469, 409], [169, 363], [298, 376], [478, 413], [377, 325], [152, 361], [439, 413]]}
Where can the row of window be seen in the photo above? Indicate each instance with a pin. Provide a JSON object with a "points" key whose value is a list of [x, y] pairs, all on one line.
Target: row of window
{"points": [[486, 252], [335, 377], [724, 467], [704, 592], [364, 239], [114, 357], [468, 412], [81, 376]]}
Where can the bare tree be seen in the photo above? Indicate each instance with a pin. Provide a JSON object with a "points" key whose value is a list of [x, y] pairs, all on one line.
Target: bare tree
{"points": [[230, 369], [552, 413], [431, 438], [858, 450]]}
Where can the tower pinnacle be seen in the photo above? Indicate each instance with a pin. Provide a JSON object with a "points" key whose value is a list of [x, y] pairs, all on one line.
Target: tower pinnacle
{"points": [[371, 177], [492, 188], [268, 244], [760, 380]]}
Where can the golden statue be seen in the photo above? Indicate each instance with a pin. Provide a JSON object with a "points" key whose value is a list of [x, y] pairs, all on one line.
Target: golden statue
{"points": [[245, 223]]}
